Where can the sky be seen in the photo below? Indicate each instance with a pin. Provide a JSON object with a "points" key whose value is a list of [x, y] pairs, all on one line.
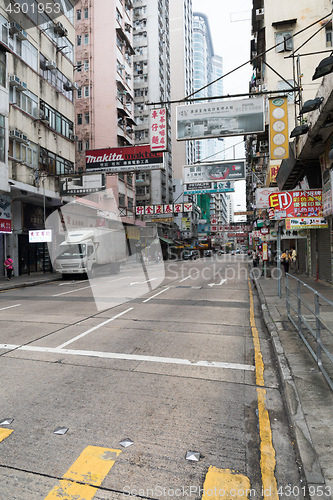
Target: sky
{"points": [[230, 28]]}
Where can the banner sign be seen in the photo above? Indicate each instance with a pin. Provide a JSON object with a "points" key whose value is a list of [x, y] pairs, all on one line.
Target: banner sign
{"points": [[5, 214], [82, 185], [291, 204], [209, 187], [164, 209], [306, 223], [125, 159], [278, 129], [262, 195], [40, 236], [220, 119], [224, 171], [158, 129]]}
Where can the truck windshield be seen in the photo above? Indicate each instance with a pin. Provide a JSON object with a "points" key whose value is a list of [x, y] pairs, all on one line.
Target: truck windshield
{"points": [[72, 251]]}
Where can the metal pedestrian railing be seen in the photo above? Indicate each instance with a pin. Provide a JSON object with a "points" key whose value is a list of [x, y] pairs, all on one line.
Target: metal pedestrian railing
{"points": [[312, 315]]}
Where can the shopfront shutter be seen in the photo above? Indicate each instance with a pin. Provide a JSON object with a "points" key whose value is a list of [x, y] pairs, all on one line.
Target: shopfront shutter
{"points": [[324, 253], [313, 240]]}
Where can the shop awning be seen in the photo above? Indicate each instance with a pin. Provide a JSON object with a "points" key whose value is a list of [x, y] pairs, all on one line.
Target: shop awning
{"points": [[166, 240]]}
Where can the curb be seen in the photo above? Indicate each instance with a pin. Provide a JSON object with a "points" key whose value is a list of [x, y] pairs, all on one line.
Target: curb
{"points": [[28, 283], [307, 452]]}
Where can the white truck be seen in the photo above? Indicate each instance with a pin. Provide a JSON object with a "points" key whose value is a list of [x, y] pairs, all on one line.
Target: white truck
{"points": [[86, 250]]}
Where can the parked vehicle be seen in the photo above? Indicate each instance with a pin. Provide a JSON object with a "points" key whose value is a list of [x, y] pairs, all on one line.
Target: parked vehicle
{"points": [[208, 253], [85, 251], [190, 254]]}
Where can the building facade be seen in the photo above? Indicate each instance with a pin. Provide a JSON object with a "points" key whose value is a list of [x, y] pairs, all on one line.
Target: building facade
{"points": [[105, 96], [36, 124]]}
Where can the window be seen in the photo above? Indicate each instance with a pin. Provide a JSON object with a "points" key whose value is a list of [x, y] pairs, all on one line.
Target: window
{"points": [[78, 39], [79, 66], [27, 101], [86, 91], [79, 146], [27, 154], [86, 38], [86, 13], [86, 117], [285, 41], [2, 69], [86, 65], [79, 119], [2, 138], [87, 144], [78, 14], [79, 93]]}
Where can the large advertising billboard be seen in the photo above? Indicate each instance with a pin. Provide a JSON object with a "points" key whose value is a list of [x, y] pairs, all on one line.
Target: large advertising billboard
{"points": [[125, 159], [208, 172], [220, 119], [291, 204]]}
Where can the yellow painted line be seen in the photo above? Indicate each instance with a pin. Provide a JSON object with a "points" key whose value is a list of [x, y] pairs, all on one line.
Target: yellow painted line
{"points": [[267, 452], [4, 433], [225, 484], [87, 473]]}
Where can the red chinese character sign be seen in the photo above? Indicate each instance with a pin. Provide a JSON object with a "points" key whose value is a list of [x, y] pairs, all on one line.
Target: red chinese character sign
{"points": [[289, 204], [158, 129], [5, 214]]}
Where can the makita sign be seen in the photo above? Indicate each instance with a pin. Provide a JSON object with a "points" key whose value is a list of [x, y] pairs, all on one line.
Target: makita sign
{"points": [[126, 159]]}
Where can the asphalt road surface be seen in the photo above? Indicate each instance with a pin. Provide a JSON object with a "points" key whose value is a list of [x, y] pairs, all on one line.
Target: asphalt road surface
{"points": [[173, 358]]}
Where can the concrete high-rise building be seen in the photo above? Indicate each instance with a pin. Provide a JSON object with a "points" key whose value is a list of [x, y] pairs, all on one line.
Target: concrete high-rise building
{"points": [[181, 56], [36, 124], [104, 98], [208, 67], [151, 79]]}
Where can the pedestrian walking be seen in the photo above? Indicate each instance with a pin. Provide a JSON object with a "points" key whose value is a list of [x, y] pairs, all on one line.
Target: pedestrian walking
{"points": [[293, 259], [255, 258], [285, 260], [9, 267]]}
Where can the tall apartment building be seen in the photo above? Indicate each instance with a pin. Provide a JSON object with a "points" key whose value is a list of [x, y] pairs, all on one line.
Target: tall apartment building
{"points": [[151, 79], [207, 68], [104, 99], [181, 51], [36, 124]]}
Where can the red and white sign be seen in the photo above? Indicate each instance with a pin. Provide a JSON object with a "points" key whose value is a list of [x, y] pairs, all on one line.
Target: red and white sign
{"points": [[178, 207], [159, 209], [298, 203], [188, 207], [264, 230], [126, 159], [168, 209], [40, 236], [158, 129], [149, 209], [5, 226]]}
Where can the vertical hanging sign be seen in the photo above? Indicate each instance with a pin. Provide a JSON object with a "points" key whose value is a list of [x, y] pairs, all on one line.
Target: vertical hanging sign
{"points": [[158, 129], [278, 128]]}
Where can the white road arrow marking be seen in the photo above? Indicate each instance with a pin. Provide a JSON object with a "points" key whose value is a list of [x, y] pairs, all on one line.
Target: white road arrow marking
{"points": [[142, 282], [217, 284]]}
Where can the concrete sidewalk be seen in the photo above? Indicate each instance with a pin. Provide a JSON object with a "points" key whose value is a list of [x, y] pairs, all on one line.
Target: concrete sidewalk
{"points": [[28, 280], [308, 396]]}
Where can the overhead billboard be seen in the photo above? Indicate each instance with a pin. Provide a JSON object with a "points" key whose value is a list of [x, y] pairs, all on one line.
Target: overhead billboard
{"points": [[208, 172], [220, 119], [158, 129], [125, 159], [82, 184]]}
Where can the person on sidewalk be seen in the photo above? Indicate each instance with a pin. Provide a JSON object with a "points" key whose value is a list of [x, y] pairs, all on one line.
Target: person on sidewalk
{"points": [[9, 267], [293, 259], [285, 260]]}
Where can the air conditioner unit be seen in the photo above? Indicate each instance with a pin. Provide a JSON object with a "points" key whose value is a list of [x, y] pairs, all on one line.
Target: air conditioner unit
{"points": [[263, 144], [15, 134], [122, 66], [22, 86], [60, 29], [22, 35], [25, 139], [260, 13], [73, 137], [50, 65], [44, 118], [262, 87], [14, 81], [71, 86], [14, 28]]}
